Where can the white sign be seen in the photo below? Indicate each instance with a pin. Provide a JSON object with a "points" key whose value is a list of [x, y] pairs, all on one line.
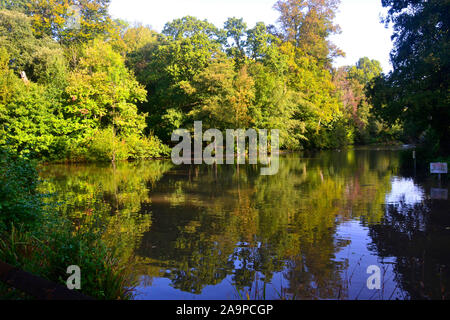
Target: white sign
{"points": [[439, 168]]}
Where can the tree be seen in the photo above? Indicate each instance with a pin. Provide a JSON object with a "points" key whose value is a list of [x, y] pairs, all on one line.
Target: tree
{"points": [[224, 97], [66, 20], [353, 83], [292, 15], [138, 37], [103, 95], [315, 96], [416, 92], [31, 118], [318, 25], [191, 27], [42, 60], [103, 90], [365, 70], [236, 31], [213, 91], [259, 41], [168, 67], [307, 24], [304, 28]]}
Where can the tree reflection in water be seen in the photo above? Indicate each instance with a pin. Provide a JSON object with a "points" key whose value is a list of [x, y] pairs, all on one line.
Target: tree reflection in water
{"points": [[212, 232], [416, 230]]}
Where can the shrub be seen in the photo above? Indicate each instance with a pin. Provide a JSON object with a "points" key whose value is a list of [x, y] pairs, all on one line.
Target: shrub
{"points": [[35, 239], [48, 254], [20, 203], [103, 146], [146, 148]]}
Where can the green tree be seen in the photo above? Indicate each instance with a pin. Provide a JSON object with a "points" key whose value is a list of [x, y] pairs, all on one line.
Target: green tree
{"points": [[42, 60], [138, 37], [260, 42], [104, 93], [236, 31], [168, 68], [416, 92], [308, 24], [67, 20], [16, 5], [32, 120]]}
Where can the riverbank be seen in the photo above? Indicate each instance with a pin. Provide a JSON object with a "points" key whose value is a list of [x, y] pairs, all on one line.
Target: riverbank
{"points": [[36, 239]]}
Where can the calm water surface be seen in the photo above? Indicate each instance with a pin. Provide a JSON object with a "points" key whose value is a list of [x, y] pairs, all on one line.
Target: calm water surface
{"points": [[309, 232]]}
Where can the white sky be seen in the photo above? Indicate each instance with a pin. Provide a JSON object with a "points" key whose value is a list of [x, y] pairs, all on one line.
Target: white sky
{"points": [[362, 33]]}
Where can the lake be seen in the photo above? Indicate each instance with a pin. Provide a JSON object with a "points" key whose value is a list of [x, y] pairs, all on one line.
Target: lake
{"points": [[309, 232]]}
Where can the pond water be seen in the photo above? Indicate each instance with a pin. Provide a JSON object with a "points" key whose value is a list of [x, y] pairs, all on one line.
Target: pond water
{"points": [[309, 232]]}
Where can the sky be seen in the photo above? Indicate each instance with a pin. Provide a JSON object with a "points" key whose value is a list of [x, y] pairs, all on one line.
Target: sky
{"points": [[362, 33]]}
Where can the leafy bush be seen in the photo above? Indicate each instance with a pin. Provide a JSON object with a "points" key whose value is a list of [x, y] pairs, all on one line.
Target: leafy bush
{"points": [[339, 134], [103, 276], [48, 254], [39, 241], [146, 148], [105, 145], [20, 203]]}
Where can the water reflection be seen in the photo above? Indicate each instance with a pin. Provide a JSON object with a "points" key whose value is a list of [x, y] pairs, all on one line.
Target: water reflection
{"points": [[405, 192], [310, 232], [418, 236]]}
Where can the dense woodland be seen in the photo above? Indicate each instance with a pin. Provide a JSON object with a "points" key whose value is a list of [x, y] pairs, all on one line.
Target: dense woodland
{"points": [[77, 85]]}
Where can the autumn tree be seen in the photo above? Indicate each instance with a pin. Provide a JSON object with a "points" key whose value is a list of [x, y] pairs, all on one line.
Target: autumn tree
{"points": [[66, 20], [137, 37], [308, 24], [353, 83]]}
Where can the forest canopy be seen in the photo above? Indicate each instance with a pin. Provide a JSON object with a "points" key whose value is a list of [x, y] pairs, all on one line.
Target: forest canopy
{"points": [[78, 85]]}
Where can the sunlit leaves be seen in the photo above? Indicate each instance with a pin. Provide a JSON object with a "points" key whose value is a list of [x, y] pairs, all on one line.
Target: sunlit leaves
{"points": [[102, 89]]}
